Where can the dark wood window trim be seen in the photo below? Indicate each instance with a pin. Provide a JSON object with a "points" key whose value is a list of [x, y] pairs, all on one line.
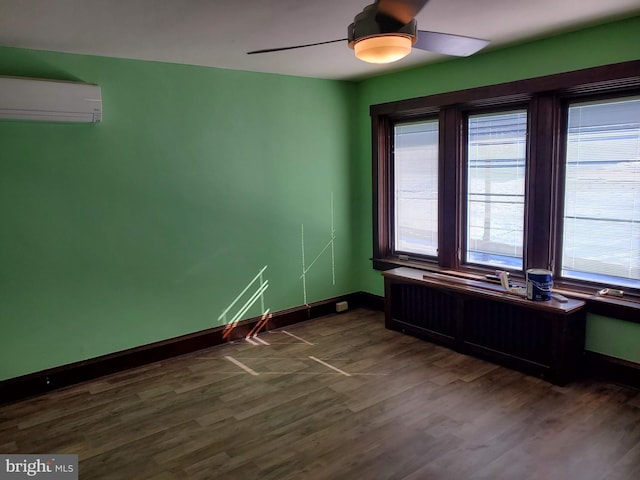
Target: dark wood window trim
{"points": [[450, 182], [545, 99]]}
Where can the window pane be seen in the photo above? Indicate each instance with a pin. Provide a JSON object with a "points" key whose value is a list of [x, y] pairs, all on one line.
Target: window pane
{"points": [[495, 188], [416, 187], [601, 237]]}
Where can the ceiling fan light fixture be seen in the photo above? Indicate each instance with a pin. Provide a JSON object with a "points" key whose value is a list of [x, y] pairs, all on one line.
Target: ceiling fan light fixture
{"points": [[383, 48]]}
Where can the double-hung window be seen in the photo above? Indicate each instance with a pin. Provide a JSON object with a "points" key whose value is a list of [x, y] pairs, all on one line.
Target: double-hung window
{"points": [[415, 161], [496, 158], [601, 233]]}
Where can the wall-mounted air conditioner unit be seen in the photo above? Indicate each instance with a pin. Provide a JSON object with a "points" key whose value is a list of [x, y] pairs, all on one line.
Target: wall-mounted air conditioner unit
{"points": [[49, 100]]}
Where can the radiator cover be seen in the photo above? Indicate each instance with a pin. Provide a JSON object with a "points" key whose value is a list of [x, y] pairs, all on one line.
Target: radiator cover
{"points": [[539, 339]]}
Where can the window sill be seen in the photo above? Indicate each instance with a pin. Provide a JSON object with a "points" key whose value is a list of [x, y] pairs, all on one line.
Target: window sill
{"points": [[615, 307]]}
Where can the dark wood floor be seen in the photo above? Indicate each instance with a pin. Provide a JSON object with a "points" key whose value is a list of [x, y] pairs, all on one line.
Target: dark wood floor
{"points": [[334, 398]]}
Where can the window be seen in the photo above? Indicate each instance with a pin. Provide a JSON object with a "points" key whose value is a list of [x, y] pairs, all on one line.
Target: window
{"points": [[537, 173], [601, 234], [496, 155], [416, 187]]}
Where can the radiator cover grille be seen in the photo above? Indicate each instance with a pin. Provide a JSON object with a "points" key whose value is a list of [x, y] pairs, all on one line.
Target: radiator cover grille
{"points": [[509, 329], [424, 308]]}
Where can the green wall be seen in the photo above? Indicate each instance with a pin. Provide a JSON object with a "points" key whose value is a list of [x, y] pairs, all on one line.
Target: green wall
{"points": [[148, 225], [605, 44], [613, 337]]}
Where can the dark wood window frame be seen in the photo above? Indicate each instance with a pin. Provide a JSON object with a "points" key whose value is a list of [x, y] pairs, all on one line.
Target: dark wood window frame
{"points": [[545, 99]]}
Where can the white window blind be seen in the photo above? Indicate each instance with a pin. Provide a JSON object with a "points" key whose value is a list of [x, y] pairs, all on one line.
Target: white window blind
{"points": [[416, 187], [601, 235], [496, 160]]}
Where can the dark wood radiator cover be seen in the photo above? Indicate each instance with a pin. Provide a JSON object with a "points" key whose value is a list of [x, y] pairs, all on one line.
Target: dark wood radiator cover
{"points": [[541, 338]]}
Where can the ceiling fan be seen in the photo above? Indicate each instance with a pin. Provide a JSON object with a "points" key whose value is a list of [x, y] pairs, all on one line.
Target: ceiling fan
{"points": [[386, 30]]}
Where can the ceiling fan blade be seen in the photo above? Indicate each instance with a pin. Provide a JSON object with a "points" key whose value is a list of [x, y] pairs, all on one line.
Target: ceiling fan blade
{"points": [[268, 50], [449, 44], [402, 10]]}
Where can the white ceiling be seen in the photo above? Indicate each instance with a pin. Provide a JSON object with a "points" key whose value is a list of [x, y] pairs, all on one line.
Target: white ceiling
{"points": [[218, 33]]}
